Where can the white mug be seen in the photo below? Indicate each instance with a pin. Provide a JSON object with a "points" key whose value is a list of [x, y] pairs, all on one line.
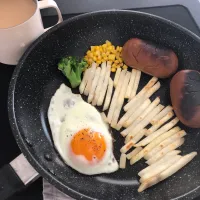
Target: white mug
{"points": [[15, 40]]}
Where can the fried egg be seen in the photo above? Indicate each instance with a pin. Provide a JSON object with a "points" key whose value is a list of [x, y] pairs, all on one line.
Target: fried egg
{"points": [[80, 135]]}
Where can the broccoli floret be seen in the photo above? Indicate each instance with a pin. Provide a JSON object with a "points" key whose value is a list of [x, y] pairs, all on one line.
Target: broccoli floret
{"points": [[72, 68]]}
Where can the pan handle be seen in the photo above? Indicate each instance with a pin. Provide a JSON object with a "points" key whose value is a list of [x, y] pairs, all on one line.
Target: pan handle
{"points": [[16, 176]]}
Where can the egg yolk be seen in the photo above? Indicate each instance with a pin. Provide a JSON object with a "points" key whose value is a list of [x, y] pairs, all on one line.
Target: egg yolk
{"points": [[89, 144]]}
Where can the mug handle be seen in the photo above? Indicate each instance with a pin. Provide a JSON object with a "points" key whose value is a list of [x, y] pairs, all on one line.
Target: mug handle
{"points": [[50, 4], [16, 176]]}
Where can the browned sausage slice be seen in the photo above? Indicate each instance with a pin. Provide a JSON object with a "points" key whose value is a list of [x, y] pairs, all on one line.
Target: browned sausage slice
{"points": [[185, 97], [149, 58]]}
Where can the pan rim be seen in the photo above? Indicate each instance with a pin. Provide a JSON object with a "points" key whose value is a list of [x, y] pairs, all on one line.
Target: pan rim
{"points": [[11, 96]]}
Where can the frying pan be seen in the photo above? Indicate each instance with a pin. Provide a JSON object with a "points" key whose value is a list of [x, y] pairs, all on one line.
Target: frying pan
{"points": [[36, 79]]}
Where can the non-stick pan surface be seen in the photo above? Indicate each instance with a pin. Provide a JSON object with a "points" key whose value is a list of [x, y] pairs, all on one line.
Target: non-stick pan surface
{"points": [[36, 79]]}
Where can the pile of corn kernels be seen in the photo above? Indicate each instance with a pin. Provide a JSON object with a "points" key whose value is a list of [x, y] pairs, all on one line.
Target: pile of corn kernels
{"points": [[106, 52]]}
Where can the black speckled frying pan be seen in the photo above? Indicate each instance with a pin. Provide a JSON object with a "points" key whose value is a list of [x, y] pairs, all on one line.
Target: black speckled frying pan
{"points": [[36, 79]]}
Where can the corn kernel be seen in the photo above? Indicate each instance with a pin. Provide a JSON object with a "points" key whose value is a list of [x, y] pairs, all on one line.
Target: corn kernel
{"points": [[113, 65], [94, 59], [113, 69], [109, 48], [105, 57], [88, 52], [97, 53], [104, 46], [117, 61], [117, 53], [125, 67], [108, 43], [113, 51], [120, 60], [99, 57], [90, 61], [92, 48], [107, 53], [120, 49], [90, 55], [98, 62], [111, 57]]}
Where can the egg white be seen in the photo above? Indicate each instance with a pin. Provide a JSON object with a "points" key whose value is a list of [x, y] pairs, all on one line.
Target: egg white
{"points": [[68, 114]]}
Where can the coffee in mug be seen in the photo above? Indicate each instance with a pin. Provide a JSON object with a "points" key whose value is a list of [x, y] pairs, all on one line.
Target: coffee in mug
{"points": [[15, 12]]}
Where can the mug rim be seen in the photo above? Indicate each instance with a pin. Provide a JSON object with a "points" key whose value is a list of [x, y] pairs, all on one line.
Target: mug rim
{"points": [[24, 21]]}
